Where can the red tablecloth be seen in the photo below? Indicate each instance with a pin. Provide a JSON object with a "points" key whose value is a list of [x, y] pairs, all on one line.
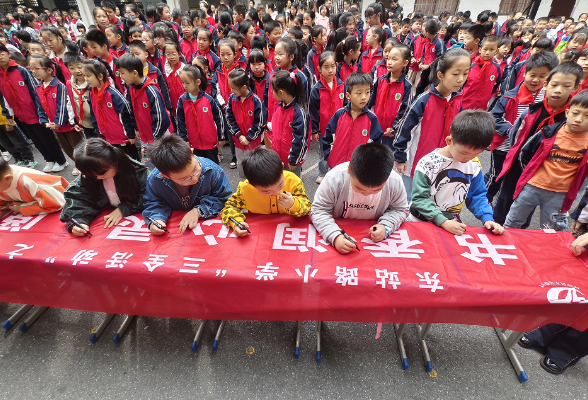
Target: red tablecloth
{"points": [[283, 271]]}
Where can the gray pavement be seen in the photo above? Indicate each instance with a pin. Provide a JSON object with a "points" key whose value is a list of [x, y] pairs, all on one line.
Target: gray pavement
{"points": [[54, 359]]}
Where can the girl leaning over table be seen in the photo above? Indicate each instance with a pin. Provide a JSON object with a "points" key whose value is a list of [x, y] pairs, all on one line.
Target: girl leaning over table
{"points": [[109, 180]]}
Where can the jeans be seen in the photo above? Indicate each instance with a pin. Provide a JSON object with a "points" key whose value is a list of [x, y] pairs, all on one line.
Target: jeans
{"points": [[531, 197], [565, 346], [323, 167], [407, 181]]}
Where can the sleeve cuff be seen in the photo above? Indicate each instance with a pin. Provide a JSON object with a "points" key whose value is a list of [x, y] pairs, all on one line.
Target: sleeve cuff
{"points": [[439, 219]]}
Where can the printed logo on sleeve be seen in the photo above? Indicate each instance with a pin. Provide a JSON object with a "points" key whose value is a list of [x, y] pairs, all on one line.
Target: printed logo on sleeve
{"points": [[109, 105], [21, 83], [364, 132], [145, 105], [205, 109], [492, 77], [250, 113], [398, 96], [341, 95]]}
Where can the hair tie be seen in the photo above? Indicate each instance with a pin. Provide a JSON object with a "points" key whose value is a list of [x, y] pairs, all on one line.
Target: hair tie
{"points": [[98, 58], [343, 41], [293, 76]]}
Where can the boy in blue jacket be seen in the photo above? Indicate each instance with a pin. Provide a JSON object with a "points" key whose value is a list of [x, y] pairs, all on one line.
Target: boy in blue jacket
{"points": [[182, 181]]}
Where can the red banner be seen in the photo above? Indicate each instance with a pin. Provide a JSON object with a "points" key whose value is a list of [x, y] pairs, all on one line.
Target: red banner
{"points": [[284, 271]]}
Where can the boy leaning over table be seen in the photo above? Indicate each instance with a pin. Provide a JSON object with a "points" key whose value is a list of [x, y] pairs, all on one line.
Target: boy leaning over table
{"points": [[363, 188]]}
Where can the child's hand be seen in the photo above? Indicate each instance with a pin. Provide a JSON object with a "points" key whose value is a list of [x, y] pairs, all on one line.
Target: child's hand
{"points": [[132, 141], [79, 232], [243, 140], [496, 229], [291, 167], [113, 218], [54, 126], [413, 60], [155, 230], [15, 207], [241, 232], [454, 227], [286, 200], [579, 243], [378, 233], [424, 67], [137, 135], [9, 127], [11, 122], [316, 137], [388, 132], [576, 227], [189, 221], [401, 167], [343, 245], [78, 128]]}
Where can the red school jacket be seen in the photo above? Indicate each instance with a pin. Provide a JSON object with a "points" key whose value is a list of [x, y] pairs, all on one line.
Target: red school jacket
{"points": [[18, 87], [246, 118], [111, 115], [478, 89], [53, 98], [200, 121], [174, 83]]}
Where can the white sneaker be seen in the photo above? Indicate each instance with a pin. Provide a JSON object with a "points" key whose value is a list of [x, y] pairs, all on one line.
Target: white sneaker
{"points": [[6, 156], [75, 172], [319, 179], [57, 167], [49, 167]]}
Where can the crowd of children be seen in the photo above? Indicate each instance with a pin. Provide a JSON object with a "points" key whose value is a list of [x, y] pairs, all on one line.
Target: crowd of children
{"points": [[144, 104]]}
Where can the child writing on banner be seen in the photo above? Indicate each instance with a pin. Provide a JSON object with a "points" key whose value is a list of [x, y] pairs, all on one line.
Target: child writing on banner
{"points": [[110, 112], [109, 180], [554, 162], [181, 181], [326, 97], [426, 123], [246, 115], [392, 93], [353, 124], [510, 106], [447, 178], [484, 77], [291, 130], [356, 190], [562, 81], [268, 189], [29, 192]]}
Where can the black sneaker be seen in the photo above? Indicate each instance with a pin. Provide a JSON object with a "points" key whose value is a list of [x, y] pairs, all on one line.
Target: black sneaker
{"points": [[527, 344], [233, 163], [550, 366]]}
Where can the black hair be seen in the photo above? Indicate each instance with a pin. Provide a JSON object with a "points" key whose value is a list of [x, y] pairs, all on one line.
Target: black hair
{"points": [[97, 67], [130, 63], [297, 32], [117, 31], [345, 46], [375, 9], [22, 36], [135, 29], [203, 60], [18, 58], [345, 17], [176, 12], [241, 78], [46, 62], [443, 63], [272, 6], [271, 25], [335, 38], [256, 56], [432, 27], [175, 45], [258, 43], [5, 167], [97, 36], [292, 48], [364, 157], [567, 68], [282, 80], [482, 18], [159, 8], [239, 9], [357, 78], [334, 20], [544, 44], [254, 19], [477, 31], [245, 26], [506, 41], [526, 31], [236, 35], [541, 59], [491, 39], [406, 21], [451, 31], [42, 45], [542, 19], [570, 55], [70, 58], [263, 168], [108, 4], [580, 99], [473, 128], [138, 44], [227, 42], [406, 54], [170, 154], [311, 14], [28, 19], [325, 55], [195, 73], [377, 30], [96, 156], [465, 26], [393, 41]]}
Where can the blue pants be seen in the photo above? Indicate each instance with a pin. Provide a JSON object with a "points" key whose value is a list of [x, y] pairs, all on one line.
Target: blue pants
{"points": [[505, 195], [407, 181], [565, 346], [496, 161], [531, 197]]}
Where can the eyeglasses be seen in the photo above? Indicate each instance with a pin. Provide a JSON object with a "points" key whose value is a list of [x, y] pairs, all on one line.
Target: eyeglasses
{"points": [[195, 174], [171, 54], [4, 53]]}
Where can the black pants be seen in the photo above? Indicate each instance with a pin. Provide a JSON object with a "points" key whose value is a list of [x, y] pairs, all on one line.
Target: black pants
{"points": [[496, 161], [565, 346], [129, 149], [424, 82], [90, 133], [45, 141], [16, 143], [211, 154]]}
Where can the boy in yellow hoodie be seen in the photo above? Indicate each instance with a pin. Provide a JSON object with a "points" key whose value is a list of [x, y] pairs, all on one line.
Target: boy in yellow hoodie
{"points": [[268, 189]]}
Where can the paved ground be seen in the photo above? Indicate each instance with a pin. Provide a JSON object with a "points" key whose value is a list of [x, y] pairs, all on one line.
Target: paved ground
{"points": [[54, 359]]}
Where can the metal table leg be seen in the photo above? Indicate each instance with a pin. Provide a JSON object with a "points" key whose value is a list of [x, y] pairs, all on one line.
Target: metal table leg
{"points": [[198, 335], [297, 350], [31, 319], [508, 342], [9, 323], [219, 332], [399, 330], [97, 331], [319, 326], [423, 330], [121, 331]]}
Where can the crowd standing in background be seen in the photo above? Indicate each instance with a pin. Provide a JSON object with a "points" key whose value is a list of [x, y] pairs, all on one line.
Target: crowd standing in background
{"points": [[144, 102]]}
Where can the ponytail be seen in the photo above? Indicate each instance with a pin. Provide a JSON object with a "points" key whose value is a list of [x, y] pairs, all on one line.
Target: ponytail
{"points": [[195, 73], [99, 67], [48, 63], [291, 83], [241, 78], [292, 49], [443, 63], [345, 46]]}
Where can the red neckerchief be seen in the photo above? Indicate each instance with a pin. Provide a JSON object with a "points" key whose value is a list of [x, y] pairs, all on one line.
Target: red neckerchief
{"points": [[332, 92], [44, 91], [244, 114], [138, 93], [227, 71], [109, 59], [485, 68], [193, 105], [552, 114], [524, 96], [371, 56], [98, 95], [384, 99], [174, 87], [14, 104], [80, 94], [447, 114]]}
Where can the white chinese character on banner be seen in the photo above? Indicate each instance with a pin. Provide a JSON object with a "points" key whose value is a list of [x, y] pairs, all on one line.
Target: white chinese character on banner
{"points": [[191, 266], [221, 272], [390, 278], [397, 245], [14, 223], [136, 232], [296, 238], [210, 239], [118, 260], [476, 255], [17, 252], [266, 272], [431, 282], [155, 260], [346, 276], [306, 271], [84, 256]]}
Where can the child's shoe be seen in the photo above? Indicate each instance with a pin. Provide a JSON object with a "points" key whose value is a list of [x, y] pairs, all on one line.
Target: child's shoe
{"points": [[58, 168], [49, 167]]}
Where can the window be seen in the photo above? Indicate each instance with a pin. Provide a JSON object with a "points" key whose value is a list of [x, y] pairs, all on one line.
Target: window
{"points": [[508, 6], [436, 7]]}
